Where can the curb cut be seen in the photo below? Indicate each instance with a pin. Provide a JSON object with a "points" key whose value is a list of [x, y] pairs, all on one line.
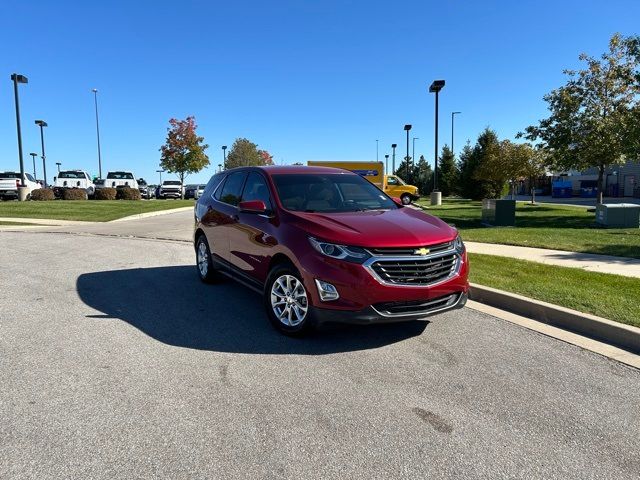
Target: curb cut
{"points": [[613, 333], [152, 214]]}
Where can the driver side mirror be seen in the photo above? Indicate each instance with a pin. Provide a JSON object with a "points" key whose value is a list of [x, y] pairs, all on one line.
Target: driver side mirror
{"points": [[253, 206]]}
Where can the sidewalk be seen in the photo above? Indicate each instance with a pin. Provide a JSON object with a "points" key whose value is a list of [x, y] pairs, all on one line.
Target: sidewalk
{"points": [[628, 267]]}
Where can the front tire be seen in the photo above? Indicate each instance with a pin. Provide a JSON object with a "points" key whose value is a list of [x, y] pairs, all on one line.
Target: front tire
{"points": [[287, 302], [406, 199], [204, 264]]}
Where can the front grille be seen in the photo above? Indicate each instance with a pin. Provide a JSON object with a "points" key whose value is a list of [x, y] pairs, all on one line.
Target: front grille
{"points": [[414, 307], [404, 251], [415, 271]]}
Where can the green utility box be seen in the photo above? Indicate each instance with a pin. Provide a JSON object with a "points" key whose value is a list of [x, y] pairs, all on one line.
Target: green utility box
{"points": [[621, 215], [499, 213]]}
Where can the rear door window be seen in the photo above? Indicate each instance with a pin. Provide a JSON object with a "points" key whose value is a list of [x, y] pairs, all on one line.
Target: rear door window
{"points": [[232, 188]]}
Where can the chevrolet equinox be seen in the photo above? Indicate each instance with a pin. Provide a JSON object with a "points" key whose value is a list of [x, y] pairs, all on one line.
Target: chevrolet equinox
{"points": [[325, 245]]}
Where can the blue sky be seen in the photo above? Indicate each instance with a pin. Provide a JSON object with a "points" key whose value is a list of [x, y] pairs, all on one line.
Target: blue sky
{"points": [[305, 80]]}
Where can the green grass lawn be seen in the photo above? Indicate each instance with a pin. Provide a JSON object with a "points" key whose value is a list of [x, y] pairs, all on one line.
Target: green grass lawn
{"points": [[15, 223], [558, 227], [609, 296], [87, 210]]}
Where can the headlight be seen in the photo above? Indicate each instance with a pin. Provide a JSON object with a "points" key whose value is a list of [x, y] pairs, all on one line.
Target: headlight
{"points": [[459, 245], [340, 252]]}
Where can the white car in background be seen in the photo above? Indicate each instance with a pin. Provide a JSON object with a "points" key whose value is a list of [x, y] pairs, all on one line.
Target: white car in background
{"points": [[10, 181], [120, 179], [171, 189], [73, 179]]}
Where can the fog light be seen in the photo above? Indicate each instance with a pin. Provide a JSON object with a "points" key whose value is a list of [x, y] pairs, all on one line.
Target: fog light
{"points": [[326, 291]]}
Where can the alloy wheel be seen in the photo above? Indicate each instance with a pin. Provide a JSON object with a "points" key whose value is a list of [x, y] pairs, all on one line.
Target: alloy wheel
{"points": [[289, 300], [203, 259]]}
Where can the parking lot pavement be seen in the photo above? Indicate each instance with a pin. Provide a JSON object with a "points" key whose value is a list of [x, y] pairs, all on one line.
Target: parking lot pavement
{"points": [[116, 362]]}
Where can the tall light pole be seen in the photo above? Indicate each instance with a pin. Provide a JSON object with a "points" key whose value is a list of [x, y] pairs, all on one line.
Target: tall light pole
{"points": [[435, 87], [160, 172], [376, 149], [407, 128], [42, 124], [452, 117], [17, 78], [95, 101], [224, 156], [413, 150], [33, 157], [393, 158], [58, 165], [386, 163]]}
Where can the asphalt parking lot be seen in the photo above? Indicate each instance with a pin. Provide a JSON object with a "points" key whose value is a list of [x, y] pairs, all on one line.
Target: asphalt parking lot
{"points": [[116, 362]]}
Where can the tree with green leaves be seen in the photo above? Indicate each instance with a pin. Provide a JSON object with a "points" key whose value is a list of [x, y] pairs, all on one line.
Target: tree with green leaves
{"points": [[183, 151], [593, 116], [449, 176], [245, 153], [477, 179]]}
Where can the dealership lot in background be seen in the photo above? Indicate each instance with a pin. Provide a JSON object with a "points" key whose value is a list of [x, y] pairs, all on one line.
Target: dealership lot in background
{"points": [[184, 377]]}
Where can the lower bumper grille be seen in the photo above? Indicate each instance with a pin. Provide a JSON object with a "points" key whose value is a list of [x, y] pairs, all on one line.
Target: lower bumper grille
{"points": [[417, 307]]}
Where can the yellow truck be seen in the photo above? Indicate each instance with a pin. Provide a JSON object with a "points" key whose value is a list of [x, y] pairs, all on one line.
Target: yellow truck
{"points": [[392, 185]]}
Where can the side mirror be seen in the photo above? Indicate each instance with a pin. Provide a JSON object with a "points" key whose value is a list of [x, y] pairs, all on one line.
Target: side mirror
{"points": [[253, 206], [397, 201]]}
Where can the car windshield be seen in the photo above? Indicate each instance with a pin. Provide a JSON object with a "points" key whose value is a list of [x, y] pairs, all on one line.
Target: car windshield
{"points": [[120, 175], [71, 175], [9, 175], [171, 182], [329, 193]]}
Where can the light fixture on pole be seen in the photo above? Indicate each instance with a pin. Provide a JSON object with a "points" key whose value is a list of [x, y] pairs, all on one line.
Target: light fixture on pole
{"points": [[435, 87], [452, 117], [386, 163], [33, 157], [42, 124], [58, 165], [16, 79], [393, 158], [160, 172], [224, 156], [407, 128], [95, 101]]}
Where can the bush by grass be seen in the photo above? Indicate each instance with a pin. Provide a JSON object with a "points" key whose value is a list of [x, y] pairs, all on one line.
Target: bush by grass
{"points": [[42, 194], [74, 194], [127, 193], [105, 194]]}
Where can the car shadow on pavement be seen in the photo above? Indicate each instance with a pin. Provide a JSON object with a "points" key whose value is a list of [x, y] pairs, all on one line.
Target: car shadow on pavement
{"points": [[171, 305]]}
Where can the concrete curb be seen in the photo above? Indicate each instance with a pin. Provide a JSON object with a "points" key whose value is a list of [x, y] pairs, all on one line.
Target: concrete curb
{"points": [[49, 222], [152, 214], [613, 333]]}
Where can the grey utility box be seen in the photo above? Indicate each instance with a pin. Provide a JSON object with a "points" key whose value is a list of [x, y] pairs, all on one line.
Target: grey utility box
{"points": [[500, 213], [621, 215]]}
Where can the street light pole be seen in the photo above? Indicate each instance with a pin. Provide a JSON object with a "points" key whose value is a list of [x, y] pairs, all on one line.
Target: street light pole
{"points": [[58, 165], [393, 158], [33, 157], [224, 156], [16, 78], [452, 118], [160, 172], [376, 150], [407, 128], [42, 124], [386, 164], [435, 87], [413, 150], [95, 100]]}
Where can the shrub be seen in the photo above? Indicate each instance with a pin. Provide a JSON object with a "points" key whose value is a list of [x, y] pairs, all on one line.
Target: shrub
{"points": [[74, 194], [127, 193], [42, 194], [105, 194]]}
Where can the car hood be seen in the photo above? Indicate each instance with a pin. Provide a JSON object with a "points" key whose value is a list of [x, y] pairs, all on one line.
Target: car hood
{"points": [[402, 227]]}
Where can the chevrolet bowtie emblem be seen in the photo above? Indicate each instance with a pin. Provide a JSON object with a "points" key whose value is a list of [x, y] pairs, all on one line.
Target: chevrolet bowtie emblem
{"points": [[421, 251]]}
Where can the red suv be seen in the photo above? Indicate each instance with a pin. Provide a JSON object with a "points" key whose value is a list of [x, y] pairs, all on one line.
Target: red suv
{"points": [[325, 245]]}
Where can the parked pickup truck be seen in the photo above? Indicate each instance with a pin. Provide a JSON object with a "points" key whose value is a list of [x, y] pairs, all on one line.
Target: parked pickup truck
{"points": [[10, 181], [392, 185], [170, 189], [120, 179], [73, 179]]}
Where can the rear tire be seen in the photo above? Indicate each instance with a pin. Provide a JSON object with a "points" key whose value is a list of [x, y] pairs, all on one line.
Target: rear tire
{"points": [[204, 264], [287, 302], [406, 199]]}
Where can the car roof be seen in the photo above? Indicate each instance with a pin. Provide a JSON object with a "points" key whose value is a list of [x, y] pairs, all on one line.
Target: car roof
{"points": [[293, 169]]}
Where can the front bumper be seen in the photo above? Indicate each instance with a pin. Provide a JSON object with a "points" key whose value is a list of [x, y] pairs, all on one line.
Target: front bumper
{"points": [[170, 193], [372, 315]]}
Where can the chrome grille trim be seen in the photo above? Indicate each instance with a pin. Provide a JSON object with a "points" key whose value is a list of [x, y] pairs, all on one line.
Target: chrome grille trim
{"points": [[408, 251], [435, 305]]}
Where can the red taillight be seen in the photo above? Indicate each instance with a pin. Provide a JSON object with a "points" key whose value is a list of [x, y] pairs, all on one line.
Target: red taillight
{"points": [[17, 183]]}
